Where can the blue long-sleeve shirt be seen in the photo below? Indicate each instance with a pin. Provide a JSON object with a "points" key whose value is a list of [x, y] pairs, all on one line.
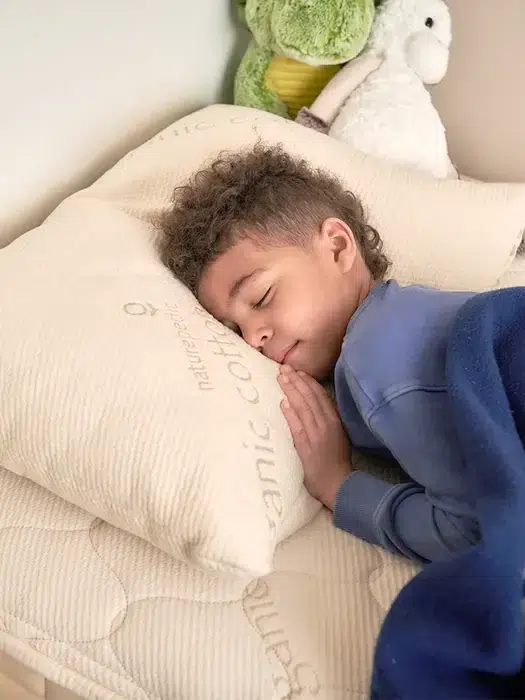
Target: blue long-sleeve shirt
{"points": [[390, 383]]}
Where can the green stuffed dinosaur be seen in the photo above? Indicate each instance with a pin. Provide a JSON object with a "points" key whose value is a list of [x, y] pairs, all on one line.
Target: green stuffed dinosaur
{"points": [[297, 47]]}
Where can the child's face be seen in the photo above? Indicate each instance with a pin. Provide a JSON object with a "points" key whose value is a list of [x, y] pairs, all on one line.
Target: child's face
{"points": [[291, 303]]}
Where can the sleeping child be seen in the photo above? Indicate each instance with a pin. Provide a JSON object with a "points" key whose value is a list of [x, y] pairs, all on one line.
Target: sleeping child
{"points": [[283, 253]]}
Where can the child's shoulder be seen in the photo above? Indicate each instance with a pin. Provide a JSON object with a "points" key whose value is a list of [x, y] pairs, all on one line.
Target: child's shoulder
{"points": [[395, 305], [395, 311], [397, 338]]}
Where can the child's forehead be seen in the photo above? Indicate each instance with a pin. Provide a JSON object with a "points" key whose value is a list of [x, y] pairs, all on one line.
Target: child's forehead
{"points": [[248, 250], [224, 278], [244, 261], [247, 256]]}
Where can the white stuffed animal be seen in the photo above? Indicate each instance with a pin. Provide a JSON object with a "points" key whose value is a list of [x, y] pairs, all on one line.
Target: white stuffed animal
{"points": [[378, 102]]}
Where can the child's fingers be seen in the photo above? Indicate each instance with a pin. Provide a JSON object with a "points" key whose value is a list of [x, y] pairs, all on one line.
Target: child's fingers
{"points": [[306, 390], [299, 404], [323, 398], [299, 434]]}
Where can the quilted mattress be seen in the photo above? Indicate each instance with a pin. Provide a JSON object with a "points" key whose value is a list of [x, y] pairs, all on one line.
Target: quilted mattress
{"points": [[107, 616]]}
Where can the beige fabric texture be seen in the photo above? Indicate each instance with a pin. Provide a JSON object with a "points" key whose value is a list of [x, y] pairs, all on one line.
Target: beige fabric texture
{"points": [[110, 617], [121, 395], [515, 275], [455, 235], [19, 682], [124, 397], [88, 607]]}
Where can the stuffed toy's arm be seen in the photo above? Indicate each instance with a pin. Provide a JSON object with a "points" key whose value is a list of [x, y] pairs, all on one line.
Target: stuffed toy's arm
{"points": [[326, 107]]}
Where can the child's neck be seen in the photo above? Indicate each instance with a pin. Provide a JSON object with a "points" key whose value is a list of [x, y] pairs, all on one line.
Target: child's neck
{"points": [[367, 286]]}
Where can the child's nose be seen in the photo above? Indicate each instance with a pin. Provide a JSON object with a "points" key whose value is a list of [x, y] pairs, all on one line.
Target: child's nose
{"points": [[258, 338]]}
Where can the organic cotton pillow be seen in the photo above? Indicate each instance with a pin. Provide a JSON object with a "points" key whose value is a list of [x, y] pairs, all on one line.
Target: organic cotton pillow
{"points": [[121, 395]]}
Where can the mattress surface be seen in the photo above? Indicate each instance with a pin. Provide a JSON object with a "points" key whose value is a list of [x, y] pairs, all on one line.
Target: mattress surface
{"points": [[106, 615], [515, 275], [18, 682]]}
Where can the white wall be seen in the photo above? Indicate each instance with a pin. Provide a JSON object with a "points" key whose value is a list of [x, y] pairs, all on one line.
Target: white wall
{"points": [[82, 82], [482, 99]]}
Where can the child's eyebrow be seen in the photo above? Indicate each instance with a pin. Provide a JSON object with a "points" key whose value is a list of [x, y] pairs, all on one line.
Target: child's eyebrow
{"points": [[236, 287]]}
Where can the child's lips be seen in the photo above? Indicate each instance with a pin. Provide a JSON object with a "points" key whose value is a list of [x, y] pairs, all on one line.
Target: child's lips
{"points": [[287, 353]]}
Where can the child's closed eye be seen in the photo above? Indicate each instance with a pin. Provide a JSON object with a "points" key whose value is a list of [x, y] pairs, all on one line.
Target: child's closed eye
{"points": [[262, 300]]}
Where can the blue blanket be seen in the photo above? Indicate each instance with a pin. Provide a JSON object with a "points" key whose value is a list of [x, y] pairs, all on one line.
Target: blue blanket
{"points": [[455, 632]]}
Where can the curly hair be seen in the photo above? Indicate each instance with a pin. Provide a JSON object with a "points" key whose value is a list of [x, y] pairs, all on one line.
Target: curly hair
{"points": [[265, 194]]}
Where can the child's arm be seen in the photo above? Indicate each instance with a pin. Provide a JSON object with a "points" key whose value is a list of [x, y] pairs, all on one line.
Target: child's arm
{"points": [[425, 524], [403, 519]]}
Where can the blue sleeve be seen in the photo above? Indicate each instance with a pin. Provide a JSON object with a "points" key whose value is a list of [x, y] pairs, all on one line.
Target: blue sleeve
{"points": [[428, 518]]}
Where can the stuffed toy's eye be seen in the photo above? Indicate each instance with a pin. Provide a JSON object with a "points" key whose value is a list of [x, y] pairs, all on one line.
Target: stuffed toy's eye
{"points": [[429, 22]]}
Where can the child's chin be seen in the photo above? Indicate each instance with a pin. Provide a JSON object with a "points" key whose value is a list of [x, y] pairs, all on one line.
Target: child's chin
{"points": [[323, 373], [315, 371], [317, 366]]}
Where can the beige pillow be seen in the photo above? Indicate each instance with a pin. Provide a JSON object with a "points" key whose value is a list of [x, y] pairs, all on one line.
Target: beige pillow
{"points": [[456, 234], [121, 395]]}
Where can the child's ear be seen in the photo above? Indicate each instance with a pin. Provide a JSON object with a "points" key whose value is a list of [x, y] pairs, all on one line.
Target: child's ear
{"points": [[340, 242]]}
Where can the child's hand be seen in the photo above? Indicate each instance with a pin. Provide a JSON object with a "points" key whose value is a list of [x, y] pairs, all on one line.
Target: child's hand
{"points": [[318, 434]]}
